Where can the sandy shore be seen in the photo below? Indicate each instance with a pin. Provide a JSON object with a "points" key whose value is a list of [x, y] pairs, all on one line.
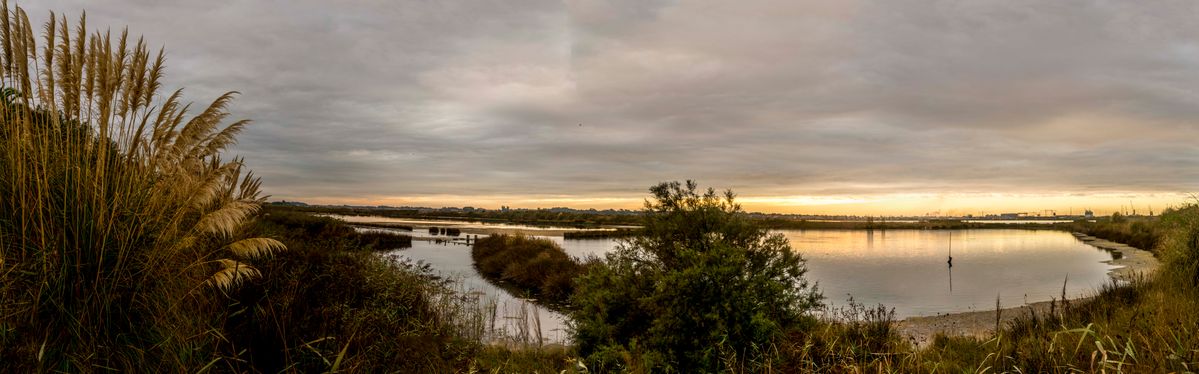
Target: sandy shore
{"points": [[920, 331]]}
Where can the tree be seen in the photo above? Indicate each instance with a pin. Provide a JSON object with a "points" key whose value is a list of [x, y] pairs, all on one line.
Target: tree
{"points": [[701, 284]]}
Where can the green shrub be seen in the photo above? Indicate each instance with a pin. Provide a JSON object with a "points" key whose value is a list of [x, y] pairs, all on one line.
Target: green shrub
{"points": [[701, 287]]}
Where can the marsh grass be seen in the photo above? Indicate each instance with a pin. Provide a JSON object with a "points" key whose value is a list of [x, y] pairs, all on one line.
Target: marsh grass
{"points": [[120, 222], [599, 234], [537, 267], [1140, 232], [383, 241]]}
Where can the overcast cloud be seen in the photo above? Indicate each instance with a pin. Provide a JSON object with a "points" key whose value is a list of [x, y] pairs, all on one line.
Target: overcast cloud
{"points": [[393, 101]]}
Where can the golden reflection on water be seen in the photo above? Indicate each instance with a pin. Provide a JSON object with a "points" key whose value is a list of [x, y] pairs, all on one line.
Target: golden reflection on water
{"points": [[907, 269], [926, 243], [902, 269]]}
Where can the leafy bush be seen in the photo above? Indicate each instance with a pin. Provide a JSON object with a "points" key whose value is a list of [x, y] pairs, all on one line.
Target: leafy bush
{"points": [[701, 287]]}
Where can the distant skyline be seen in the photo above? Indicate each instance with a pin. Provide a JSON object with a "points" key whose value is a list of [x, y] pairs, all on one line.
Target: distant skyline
{"points": [[897, 107]]}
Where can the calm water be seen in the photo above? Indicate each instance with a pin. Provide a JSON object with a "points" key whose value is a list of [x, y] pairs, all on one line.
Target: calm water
{"points": [[902, 269], [906, 269]]}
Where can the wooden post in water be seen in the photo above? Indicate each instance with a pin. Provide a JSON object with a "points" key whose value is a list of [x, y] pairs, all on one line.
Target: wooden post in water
{"points": [[950, 262]]}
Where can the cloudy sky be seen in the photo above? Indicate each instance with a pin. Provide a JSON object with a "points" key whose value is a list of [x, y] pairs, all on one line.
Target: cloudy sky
{"points": [[842, 106]]}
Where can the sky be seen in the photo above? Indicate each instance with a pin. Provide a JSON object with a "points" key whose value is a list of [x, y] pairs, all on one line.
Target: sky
{"points": [[837, 107]]}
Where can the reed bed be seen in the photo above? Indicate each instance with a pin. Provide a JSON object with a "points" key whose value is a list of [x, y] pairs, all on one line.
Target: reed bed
{"points": [[534, 266]]}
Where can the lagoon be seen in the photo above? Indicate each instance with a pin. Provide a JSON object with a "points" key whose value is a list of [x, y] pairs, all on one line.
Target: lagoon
{"points": [[901, 269]]}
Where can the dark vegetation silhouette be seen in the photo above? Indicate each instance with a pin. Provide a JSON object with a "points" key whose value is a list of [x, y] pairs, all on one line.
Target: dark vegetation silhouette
{"points": [[599, 234], [531, 217]]}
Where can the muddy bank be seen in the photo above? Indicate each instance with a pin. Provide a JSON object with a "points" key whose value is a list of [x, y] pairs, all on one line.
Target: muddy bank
{"points": [[1132, 262], [921, 330]]}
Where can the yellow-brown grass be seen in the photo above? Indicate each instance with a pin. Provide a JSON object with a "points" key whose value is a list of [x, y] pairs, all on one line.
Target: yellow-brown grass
{"points": [[119, 220]]}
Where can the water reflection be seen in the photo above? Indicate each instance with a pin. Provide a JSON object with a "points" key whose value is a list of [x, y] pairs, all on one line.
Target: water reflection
{"points": [[897, 268], [514, 315], [950, 278]]}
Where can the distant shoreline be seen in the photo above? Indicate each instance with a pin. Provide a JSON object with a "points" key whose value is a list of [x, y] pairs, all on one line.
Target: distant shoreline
{"points": [[582, 220]]}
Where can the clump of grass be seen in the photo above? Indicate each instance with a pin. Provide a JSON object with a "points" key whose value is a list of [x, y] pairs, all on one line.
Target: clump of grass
{"points": [[599, 234], [383, 241], [849, 336], [120, 222], [384, 225], [536, 266]]}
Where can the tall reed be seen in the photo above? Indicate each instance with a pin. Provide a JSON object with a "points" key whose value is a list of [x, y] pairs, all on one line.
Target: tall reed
{"points": [[119, 219]]}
